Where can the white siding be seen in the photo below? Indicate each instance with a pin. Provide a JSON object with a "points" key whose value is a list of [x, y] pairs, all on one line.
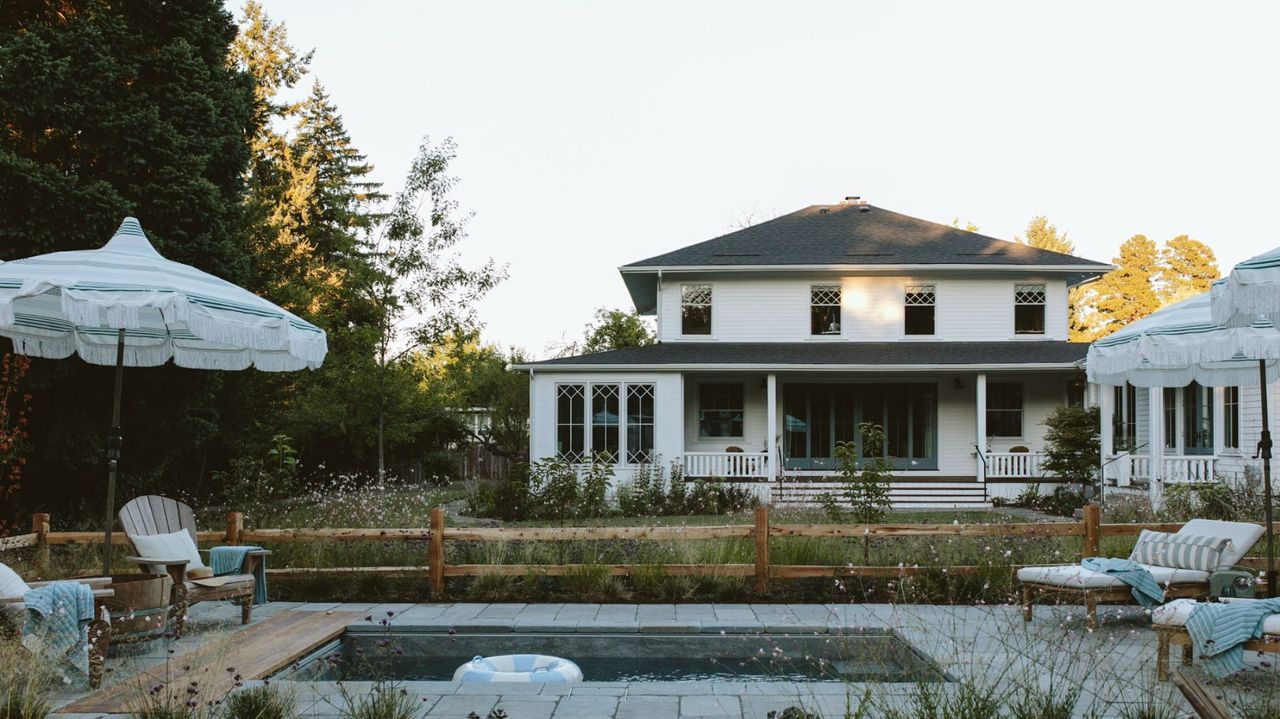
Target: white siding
{"points": [[776, 309]]}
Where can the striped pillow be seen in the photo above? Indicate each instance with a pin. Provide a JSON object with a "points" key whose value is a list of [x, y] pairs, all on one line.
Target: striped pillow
{"points": [[1180, 551]]}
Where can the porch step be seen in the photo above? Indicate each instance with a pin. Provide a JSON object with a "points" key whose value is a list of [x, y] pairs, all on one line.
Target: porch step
{"points": [[904, 495]]}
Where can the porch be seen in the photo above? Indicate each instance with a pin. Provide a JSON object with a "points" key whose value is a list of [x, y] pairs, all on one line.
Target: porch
{"points": [[755, 466]]}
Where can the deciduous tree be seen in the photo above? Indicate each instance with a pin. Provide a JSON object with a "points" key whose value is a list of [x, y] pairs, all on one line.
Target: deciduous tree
{"points": [[615, 329], [1042, 235], [1188, 267]]}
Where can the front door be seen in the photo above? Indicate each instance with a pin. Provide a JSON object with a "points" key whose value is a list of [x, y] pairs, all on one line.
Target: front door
{"points": [[818, 415]]}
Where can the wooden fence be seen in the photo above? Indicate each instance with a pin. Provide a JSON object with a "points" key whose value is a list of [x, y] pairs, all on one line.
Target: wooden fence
{"points": [[1089, 529]]}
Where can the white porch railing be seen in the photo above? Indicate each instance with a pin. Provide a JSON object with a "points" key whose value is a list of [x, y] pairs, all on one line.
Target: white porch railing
{"points": [[1174, 469], [1014, 465], [727, 465]]}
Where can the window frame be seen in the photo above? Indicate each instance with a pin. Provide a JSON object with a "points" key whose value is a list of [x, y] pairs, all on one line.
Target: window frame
{"points": [[920, 289], [838, 290], [602, 391], [1231, 417], [1025, 287], [709, 304], [741, 421], [585, 450], [628, 451], [1021, 410]]}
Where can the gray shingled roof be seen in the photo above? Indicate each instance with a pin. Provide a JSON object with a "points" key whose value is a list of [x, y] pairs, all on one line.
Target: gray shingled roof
{"points": [[776, 354], [844, 235]]}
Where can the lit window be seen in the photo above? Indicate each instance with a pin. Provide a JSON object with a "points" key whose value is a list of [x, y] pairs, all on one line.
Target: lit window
{"points": [[918, 310], [640, 423], [824, 310], [1028, 309], [1004, 409], [720, 410], [695, 309], [571, 422]]}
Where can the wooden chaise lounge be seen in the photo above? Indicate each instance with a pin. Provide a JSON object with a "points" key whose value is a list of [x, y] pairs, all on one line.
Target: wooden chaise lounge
{"points": [[1075, 584], [1169, 623]]}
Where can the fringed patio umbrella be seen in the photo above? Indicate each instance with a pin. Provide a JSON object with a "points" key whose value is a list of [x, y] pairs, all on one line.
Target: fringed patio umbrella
{"points": [[125, 304], [1181, 344], [1249, 295]]}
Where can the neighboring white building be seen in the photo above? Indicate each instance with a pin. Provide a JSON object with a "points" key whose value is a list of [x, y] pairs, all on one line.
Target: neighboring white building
{"points": [[775, 341]]}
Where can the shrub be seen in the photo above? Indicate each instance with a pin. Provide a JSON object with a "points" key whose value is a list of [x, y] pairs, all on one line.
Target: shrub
{"points": [[648, 493], [1073, 449], [866, 480], [383, 701], [264, 701]]}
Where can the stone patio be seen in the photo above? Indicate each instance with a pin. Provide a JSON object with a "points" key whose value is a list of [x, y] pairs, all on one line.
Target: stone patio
{"points": [[1114, 667]]}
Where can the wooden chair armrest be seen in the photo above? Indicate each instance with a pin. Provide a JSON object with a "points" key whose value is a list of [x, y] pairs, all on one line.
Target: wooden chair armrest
{"points": [[10, 600], [251, 553], [147, 561]]}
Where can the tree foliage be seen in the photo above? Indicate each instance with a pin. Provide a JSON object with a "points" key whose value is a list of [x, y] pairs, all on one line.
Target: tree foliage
{"points": [[615, 329], [1042, 235], [1072, 444], [1188, 267]]}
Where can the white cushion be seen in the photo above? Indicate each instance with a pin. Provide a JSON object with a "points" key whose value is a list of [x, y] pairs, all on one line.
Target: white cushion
{"points": [[1185, 550], [1075, 576], [1243, 536], [11, 585], [1177, 612], [176, 545]]}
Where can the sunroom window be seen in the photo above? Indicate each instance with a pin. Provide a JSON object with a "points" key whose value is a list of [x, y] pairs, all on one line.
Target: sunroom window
{"points": [[640, 401], [695, 309], [917, 312], [571, 422], [1028, 309], [824, 310], [604, 421]]}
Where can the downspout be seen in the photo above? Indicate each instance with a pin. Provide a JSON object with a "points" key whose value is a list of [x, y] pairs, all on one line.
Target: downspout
{"points": [[531, 396], [657, 310]]}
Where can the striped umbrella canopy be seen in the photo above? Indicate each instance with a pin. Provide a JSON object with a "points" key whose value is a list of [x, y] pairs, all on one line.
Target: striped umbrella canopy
{"points": [[1181, 344], [125, 304], [66, 303], [1250, 293]]}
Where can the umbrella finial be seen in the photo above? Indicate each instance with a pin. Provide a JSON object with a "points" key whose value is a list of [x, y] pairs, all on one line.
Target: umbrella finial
{"points": [[130, 239]]}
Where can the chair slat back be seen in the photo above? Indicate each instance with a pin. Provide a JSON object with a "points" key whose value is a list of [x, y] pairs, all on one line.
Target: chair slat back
{"points": [[152, 514]]}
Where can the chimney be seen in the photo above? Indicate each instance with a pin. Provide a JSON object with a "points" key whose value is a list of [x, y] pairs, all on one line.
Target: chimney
{"points": [[857, 201]]}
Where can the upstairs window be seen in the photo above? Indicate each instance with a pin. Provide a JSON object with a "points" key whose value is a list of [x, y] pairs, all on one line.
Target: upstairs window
{"points": [[1004, 409], [1028, 309], [824, 310], [1231, 417], [720, 412], [695, 310], [918, 310]]}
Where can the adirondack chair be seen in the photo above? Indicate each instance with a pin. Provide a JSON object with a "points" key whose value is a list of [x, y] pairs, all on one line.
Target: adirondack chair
{"points": [[99, 627], [151, 515]]}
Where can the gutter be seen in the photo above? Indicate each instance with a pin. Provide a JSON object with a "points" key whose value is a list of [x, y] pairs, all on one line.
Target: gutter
{"points": [[915, 268], [984, 366]]}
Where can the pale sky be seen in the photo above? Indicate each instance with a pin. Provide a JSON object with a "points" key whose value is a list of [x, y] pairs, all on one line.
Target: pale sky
{"points": [[593, 134]]}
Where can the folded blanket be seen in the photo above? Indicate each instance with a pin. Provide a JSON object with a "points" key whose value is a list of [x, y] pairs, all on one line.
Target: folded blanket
{"points": [[1218, 630], [230, 560], [1144, 587], [57, 625]]}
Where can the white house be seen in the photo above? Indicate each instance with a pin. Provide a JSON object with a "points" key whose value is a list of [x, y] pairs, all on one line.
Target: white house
{"points": [[775, 341]]}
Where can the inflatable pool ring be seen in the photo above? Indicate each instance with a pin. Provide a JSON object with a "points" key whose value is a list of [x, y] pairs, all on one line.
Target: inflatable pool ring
{"points": [[519, 668]]}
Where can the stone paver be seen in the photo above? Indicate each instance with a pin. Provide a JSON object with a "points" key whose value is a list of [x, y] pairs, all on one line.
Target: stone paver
{"points": [[988, 642]]}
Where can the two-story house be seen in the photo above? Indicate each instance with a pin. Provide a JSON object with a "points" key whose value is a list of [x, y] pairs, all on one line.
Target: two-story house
{"points": [[776, 341]]}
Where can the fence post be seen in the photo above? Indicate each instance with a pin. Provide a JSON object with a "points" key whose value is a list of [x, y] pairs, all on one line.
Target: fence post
{"points": [[762, 548], [1092, 532], [40, 526], [435, 550], [235, 523]]}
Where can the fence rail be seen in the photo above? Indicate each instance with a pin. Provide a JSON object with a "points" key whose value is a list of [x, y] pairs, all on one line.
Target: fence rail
{"points": [[1089, 529]]}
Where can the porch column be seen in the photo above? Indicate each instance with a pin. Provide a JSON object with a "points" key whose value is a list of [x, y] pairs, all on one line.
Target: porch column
{"points": [[1219, 423], [1106, 429], [980, 387], [1155, 445], [771, 412]]}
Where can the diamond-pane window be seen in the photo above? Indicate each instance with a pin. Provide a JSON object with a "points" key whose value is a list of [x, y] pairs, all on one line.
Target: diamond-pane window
{"points": [[640, 421], [1028, 309], [604, 421], [917, 314], [824, 309], [571, 422], [695, 309]]}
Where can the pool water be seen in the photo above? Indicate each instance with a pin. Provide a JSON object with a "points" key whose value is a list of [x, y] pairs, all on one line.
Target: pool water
{"points": [[880, 656]]}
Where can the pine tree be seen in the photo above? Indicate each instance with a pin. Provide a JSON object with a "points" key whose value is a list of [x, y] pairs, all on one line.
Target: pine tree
{"points": [[1127, 293], [1042, 235], [1188, 268]]}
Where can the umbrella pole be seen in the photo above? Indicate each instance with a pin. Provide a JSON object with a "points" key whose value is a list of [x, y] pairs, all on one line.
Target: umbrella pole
{"points": [[1264, 451], [113, 457]]}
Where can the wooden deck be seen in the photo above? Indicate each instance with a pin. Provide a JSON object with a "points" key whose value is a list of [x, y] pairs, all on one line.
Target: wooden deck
{"points": [[254, 652]]}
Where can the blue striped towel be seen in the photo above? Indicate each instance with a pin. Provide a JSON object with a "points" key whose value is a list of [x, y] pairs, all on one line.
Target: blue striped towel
{"points": [[230, 560], [1144, 587], [58, 617], [1218, 630]]}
